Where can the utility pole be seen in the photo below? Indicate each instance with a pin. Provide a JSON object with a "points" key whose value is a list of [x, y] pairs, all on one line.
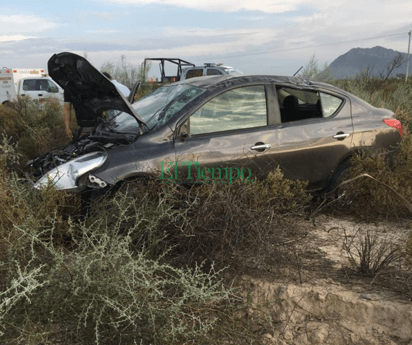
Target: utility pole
{"points": [[407, 63]]}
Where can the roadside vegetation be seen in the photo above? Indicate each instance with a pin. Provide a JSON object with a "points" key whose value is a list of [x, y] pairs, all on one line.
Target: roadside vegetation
{"points": [[154, 264]]}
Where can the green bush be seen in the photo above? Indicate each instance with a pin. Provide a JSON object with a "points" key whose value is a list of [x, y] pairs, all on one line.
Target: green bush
{"points": [[35, 128], [227, 223], [366, 196], [102, 279], [393, 94], [387, 192], [104, 291]]}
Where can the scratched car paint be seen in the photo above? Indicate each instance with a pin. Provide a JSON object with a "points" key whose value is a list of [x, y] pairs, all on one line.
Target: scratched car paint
{"points": [[309, 129]]}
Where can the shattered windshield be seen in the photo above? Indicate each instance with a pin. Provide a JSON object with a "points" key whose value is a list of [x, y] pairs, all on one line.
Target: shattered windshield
{"points": [[157, 107]]}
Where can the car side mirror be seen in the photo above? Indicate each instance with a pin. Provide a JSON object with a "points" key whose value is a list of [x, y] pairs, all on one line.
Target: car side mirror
{"points": [[184, 131], [53, 89], [133, 92], [183, 136]]}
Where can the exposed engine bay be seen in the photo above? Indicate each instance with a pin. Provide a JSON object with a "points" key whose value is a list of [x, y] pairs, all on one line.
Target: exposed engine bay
{"points": [[61, 155]]}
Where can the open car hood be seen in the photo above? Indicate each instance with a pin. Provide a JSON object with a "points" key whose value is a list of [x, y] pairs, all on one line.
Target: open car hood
{"points": [[90, 91]]}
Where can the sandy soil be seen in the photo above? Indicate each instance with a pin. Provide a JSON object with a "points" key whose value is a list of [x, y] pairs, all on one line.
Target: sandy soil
{"points": [[323, 299]]}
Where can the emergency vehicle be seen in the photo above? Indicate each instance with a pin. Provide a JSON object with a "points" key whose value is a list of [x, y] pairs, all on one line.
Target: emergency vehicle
{"points": [[24, 82]]}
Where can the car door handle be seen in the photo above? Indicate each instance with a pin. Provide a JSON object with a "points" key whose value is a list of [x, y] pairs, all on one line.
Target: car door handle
{"points": [[40, 95], [261, 147], [340, 136]]}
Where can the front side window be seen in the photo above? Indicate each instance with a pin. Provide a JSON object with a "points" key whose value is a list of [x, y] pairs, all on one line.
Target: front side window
{"points": [[44, 85], [52, 87], [213, 71], [235, 109]]}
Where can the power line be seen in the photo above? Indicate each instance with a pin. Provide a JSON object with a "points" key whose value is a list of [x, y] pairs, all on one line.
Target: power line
{"points": [[300, 48]]}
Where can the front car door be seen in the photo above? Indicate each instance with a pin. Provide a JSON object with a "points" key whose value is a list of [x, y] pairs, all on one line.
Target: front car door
{"points": [[226, 138]]}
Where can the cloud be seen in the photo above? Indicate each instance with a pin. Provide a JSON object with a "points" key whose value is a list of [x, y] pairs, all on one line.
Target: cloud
{"points": [[105, 15], [10, 38], [354, 17], [230, 33], [251, 18], [102, 31], [311, 24], [16, 24], [267, 6]]}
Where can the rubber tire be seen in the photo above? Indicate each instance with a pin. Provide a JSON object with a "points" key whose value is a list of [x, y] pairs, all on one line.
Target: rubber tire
{"points": [[338, 176]]}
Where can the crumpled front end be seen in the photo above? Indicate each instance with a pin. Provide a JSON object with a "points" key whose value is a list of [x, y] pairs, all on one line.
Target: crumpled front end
{"points": [[69, 167]]}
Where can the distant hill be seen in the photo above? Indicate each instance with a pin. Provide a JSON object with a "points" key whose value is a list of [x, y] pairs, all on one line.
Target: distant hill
{"points": [[357, 59]]}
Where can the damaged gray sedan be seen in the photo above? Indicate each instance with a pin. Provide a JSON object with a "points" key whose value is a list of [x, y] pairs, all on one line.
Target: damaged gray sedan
{"points": [[218, 128]]}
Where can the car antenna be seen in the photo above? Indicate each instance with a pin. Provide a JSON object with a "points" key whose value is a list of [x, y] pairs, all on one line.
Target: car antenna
{"points": [[298, 71]]}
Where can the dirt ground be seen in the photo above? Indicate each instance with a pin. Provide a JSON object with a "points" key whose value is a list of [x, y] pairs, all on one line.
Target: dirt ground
{"points": [[322, 298]]}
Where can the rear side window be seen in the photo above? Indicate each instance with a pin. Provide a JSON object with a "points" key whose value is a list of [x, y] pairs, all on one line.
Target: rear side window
{"points": [[240, 108], [330, 104], [193, 73], [301, 104], [298, 104]]}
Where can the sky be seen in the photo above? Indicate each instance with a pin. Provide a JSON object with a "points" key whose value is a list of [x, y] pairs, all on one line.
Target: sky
{"points": [[254, 36]]}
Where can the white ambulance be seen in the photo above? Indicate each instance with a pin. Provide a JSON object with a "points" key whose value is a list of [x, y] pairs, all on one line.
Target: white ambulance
{"points": [[34, 83], [7, 88]]}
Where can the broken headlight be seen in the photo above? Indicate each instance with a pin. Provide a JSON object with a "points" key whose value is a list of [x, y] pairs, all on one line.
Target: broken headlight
{"points": [[65, 175]]}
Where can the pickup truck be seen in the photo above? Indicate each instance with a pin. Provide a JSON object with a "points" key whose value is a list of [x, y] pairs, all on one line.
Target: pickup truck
{"points": [[183, 70], [186, 70], [28, 82]]}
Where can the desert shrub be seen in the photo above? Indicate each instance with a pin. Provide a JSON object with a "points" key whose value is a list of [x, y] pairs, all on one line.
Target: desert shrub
{"points": [[314, 72], [35, 128], [219, 223], [226, 223], [394, 94], [139, 268], [385, 194], [98, 280], [125, 72], [104, 292], [143, 210], [371, 253], [20, 203], [365, 196]]}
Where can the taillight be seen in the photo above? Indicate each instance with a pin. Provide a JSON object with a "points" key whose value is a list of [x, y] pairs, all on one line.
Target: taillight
{"points": [[395, 124]]}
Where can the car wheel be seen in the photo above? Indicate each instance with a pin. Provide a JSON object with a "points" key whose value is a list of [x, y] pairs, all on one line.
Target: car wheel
{"points": [[338, 176]]}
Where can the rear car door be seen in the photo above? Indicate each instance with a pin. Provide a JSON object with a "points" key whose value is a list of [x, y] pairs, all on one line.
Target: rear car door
{"points": [[315, 133]]}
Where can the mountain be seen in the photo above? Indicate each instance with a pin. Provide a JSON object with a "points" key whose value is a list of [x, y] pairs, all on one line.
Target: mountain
{"points": [[358, 59]]}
